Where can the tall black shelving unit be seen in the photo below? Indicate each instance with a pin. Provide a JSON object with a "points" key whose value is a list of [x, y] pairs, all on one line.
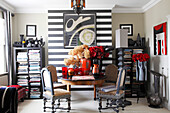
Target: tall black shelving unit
{"points": [[133, 87], [28, 62]]}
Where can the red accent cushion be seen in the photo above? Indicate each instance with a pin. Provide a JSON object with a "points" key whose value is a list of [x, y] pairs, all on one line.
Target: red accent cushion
{"points": [[16, 86]]}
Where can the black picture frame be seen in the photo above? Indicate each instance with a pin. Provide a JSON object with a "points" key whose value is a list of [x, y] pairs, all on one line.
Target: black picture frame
{"points": [[31, 30], [129, 27], [68, 22]]}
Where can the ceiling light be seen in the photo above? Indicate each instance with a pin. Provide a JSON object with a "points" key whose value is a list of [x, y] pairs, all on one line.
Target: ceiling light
{"points": [[77, 5]]}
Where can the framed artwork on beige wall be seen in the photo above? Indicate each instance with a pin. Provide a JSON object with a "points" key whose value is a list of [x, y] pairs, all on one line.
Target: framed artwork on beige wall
{"points": [[31, 30], [129, 27]]}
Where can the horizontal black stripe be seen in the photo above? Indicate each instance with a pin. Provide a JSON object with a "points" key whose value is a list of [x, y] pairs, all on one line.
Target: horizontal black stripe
{"points": [[59, 71], [55, 35], [110, 59], [55, 29], [103, 29], [102, 41], [106, 64], [55, 17], [57, 53], [55, 59], [55, 41], [84, 11], [56, 47], [55, 23], [103, 17], [105, 23], [104, 35]]}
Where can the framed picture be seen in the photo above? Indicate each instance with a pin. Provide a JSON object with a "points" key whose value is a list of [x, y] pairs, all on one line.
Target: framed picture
{"points": [[160, 39], [129, 27], [79, 29], [31, 30]]}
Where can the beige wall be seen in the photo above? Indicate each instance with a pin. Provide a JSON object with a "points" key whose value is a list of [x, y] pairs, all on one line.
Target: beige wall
{"points": [[20, 21], [128, 18], [154, 16]]}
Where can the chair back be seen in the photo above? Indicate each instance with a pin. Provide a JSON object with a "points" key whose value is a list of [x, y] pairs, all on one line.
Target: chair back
{"points": [[121, 79], [53, 71], [47, 83], [111, 71]]}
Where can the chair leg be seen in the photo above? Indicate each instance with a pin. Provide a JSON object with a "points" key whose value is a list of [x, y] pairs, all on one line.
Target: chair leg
{"points": [[45, 100], [58, 103], [123, 103], [100, 104], [69, 107], [107, 103], [52, 104], [117, 106]]}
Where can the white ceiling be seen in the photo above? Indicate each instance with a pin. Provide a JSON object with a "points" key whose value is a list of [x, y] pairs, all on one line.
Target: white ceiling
{"points": [[24, 6]]}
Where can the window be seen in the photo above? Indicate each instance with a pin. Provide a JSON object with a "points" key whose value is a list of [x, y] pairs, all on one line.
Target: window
{"points": [[2, 45]]}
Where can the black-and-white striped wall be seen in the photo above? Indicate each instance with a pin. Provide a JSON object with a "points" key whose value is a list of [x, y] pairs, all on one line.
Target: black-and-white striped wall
{"points": [[56, 51]]}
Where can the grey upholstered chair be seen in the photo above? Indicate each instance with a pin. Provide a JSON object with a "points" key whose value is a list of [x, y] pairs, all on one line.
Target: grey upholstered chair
{"points": [[111, 71], [49, 93], [115, 96]]}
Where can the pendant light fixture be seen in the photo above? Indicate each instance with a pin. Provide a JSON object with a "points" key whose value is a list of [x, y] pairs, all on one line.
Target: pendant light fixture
{"points": [[77, 5]]}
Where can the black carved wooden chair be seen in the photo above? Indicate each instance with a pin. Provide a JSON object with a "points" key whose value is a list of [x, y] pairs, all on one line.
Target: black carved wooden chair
{"points": [[51, 94], [115, 98]]}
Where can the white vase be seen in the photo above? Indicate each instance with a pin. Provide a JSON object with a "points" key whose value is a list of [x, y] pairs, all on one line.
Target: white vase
{"points": [[140, 71]]}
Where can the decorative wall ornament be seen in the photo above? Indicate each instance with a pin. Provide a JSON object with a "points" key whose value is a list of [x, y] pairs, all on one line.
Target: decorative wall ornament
{"points": [[160, 39], [87, 36], [129, 27], [79, 29]]}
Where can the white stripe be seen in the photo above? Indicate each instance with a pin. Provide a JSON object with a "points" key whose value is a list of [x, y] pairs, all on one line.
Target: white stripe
{"points": [[105, 32], [55, 44], [110, 55], [59, 56], [104, 26], [104, 20], [55, 38], [103, 67], [104, 38], [103, 14], [104, 44], [55, 14], [107, 62], [55, 26], [59, 74], [55, 62], [59, 50], [55, 32], [58, 68], [55, 20]]}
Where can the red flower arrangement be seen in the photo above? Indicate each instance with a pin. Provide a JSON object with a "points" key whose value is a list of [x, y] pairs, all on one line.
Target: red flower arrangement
{"points": [[98, 52], [141, 57]]}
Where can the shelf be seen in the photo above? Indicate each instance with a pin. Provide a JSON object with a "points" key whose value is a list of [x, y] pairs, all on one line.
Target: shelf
{"points": [[124, 58], [24, 60]]}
